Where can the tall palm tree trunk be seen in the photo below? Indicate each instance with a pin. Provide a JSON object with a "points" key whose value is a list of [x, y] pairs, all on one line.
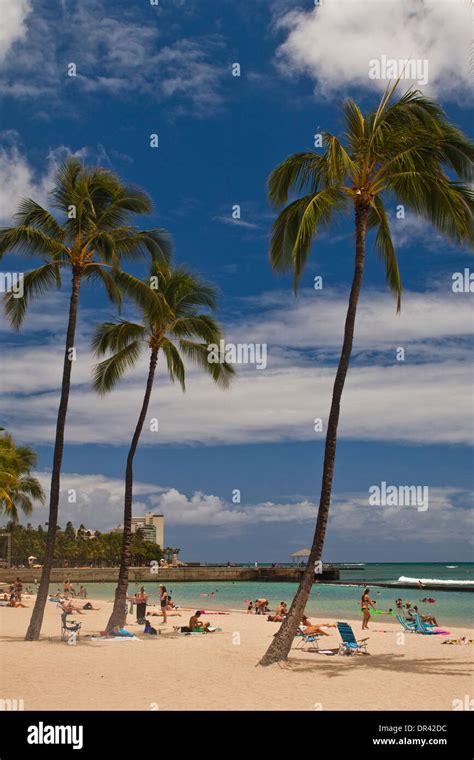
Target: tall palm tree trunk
{"points": [[118, 614], [281, 644], [36, 621]]}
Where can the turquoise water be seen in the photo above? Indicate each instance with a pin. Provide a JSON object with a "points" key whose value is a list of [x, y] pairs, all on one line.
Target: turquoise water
{"points": [[336, 601]]}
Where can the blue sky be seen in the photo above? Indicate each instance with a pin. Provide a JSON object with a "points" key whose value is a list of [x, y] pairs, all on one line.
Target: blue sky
{"points": [[167, 69]]}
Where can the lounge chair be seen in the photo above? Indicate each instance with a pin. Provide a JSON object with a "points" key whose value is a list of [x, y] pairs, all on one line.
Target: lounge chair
{"points": [[409, 625], [307, 642], [68, 628], [428, 628], [350, 645]]}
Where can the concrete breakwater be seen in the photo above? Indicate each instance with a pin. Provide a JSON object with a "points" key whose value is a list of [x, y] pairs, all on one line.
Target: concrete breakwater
{"points": [[175, 574]]}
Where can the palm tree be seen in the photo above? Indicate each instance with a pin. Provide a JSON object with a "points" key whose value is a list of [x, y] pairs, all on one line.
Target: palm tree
{"points": [[406, 150], [172, 323], [91, 236], [18, 489]]}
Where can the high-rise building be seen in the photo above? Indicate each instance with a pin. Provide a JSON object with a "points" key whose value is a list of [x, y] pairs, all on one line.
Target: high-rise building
{"points": [[148, 532], [151, 521]]}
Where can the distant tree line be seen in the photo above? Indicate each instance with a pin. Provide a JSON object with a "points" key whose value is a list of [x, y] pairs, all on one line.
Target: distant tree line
{"points": [[78, 549]]}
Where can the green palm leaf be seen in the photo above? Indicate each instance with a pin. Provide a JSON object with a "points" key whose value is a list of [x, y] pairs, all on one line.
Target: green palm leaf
{"points": [[35, 283], [109, 372]]}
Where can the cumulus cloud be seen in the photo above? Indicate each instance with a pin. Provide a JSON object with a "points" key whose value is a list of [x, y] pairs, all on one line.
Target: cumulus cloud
{"points": [[98, 505], [384, 399], [13, 27], [334, 42]]}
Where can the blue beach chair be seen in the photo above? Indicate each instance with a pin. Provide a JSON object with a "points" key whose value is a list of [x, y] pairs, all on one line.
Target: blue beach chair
{"points": [[307, 643], [408, 625], [425, 628], [349, 644]]}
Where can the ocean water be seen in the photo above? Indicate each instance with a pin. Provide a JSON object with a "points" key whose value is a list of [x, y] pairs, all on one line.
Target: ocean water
{"points": [[334, 600]]}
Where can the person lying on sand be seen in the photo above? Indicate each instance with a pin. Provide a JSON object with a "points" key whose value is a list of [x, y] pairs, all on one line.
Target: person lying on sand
{"points": [[70, 607], [309, 628], [14, 602], [154, 613]]}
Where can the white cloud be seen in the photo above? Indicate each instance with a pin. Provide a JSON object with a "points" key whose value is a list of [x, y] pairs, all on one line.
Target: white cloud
{"points": [[447, 518], [99, 506], [19, 179], [426, 398], [237, 222], [13, 14], [334, 42], [113, 51]]}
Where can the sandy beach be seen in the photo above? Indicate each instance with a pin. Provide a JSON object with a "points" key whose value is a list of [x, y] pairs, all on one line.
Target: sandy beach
{"points": [[218, 671]]}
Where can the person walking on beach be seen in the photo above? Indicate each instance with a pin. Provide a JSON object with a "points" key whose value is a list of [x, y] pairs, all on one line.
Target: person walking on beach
{"points": [[140, 600], [164, 598], [365, 603]]}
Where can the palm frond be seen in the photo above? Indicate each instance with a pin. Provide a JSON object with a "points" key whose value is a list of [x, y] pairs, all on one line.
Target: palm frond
{"points": [[221, 372], [295, 174], [97, 272], [150, 301], [201, 326], [174, 363], [109, 372], [29, 240], [295, 228], [31, 214], [383, 242], [35, 283], [447, 205], [114, 336]]}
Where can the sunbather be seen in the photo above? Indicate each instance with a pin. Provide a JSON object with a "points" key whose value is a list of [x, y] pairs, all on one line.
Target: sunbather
{"points": [[14, 602], [413, 611], [69, 607], [309, 628]]}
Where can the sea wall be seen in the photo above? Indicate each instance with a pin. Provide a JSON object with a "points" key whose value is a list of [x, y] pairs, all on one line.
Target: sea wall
{"points": [[175, 574]]}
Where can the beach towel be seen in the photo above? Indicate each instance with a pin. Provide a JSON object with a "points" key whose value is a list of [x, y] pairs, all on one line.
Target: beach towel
{"points": [[106, 639]]}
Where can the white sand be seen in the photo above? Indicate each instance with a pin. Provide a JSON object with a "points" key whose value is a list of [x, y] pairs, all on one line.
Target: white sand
{"points": [[218, 671]]}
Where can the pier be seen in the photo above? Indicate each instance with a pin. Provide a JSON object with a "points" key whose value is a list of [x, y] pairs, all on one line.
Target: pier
{"points": [[188, 573]]}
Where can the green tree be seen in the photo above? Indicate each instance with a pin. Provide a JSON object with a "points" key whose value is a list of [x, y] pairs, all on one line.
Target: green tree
{"points": [[405, 151], [172, 324], [90, 237], [18, 488]]}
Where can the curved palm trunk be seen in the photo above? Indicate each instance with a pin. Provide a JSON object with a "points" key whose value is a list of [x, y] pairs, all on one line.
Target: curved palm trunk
{"points": [[36, 621], [119, 610], [281, 644]]}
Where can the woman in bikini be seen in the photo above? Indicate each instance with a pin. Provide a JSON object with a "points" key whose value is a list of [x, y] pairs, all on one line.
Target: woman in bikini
{"points": [[365, 603]]}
